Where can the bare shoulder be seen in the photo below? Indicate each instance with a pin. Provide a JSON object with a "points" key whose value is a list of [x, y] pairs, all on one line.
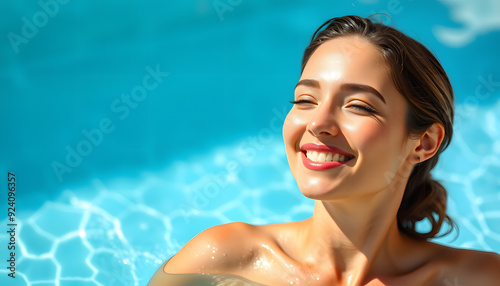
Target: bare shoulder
{"points": [[219, 249], [481, 267], [470, 267]]}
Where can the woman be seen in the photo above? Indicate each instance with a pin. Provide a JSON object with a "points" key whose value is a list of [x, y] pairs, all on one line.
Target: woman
{"points": [[373, 110]]}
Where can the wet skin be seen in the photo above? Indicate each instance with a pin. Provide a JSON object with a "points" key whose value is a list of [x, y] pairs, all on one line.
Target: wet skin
{"points": [[345, 99]]}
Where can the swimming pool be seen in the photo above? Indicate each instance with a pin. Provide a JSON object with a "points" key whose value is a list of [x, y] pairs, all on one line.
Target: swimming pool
{"points": [[200, 144]]}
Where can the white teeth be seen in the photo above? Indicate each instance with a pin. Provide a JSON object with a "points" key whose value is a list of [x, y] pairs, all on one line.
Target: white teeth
{"points": [[313, 156], [335, 158], [321, 157], [316, 156], [329, 157]]}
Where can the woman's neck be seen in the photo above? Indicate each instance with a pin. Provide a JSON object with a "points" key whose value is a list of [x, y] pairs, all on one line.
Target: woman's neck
{"points": [[357, 237]]}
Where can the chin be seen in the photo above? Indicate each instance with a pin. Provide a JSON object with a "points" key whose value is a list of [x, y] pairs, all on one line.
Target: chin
{"points": [[315, 196], [317, 191]]}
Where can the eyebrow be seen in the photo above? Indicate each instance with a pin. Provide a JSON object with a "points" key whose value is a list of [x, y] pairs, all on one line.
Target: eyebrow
{"points": [[362, 87], [308, 82], [345, 86]]}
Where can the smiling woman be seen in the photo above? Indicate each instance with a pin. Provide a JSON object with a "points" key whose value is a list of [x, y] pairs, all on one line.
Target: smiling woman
{"points": [[373, 110]]}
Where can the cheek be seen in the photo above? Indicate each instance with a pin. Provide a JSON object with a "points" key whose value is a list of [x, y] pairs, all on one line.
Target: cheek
{"points": [[293, 127], [293, 130], [366, 134], [380, 149], [377, 144]]}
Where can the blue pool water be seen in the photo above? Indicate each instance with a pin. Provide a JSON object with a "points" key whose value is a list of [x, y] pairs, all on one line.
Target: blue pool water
{"points": [[203, 144]]}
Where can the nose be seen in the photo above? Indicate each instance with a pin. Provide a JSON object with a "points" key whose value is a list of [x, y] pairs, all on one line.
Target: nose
{"points": [[323, 122]]}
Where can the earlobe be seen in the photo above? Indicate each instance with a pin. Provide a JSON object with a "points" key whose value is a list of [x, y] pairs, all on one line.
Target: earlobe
{"points": [[428, 143]]}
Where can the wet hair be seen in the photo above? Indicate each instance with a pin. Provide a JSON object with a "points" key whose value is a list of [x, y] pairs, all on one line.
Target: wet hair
{"points": [[420, 78]]}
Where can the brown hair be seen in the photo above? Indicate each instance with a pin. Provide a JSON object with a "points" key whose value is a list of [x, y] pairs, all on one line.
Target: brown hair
{"points": [[421, 79]]}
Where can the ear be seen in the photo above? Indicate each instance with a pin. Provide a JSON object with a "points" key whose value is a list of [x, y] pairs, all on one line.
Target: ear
{"points": [[427, 144]]}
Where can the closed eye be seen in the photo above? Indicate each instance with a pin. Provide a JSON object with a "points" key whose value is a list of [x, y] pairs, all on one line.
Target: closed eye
{"points": [[363, 108], [301, 101]]}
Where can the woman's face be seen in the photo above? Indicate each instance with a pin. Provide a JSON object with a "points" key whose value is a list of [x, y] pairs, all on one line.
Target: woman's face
{"points": [[345, 134]]}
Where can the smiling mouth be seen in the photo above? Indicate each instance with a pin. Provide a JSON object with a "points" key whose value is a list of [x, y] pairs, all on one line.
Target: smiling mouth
{"points": [[320, 157], [323, 157]]}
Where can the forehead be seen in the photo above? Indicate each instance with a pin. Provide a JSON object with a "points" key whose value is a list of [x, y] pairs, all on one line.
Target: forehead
{"points": [[350, 57]]}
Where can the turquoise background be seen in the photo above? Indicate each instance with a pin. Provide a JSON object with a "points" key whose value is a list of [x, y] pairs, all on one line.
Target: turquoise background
{"points": [[202, 145]]}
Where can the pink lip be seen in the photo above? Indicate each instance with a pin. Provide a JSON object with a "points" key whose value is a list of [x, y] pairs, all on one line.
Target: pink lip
{"points": [[322, 148]]}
